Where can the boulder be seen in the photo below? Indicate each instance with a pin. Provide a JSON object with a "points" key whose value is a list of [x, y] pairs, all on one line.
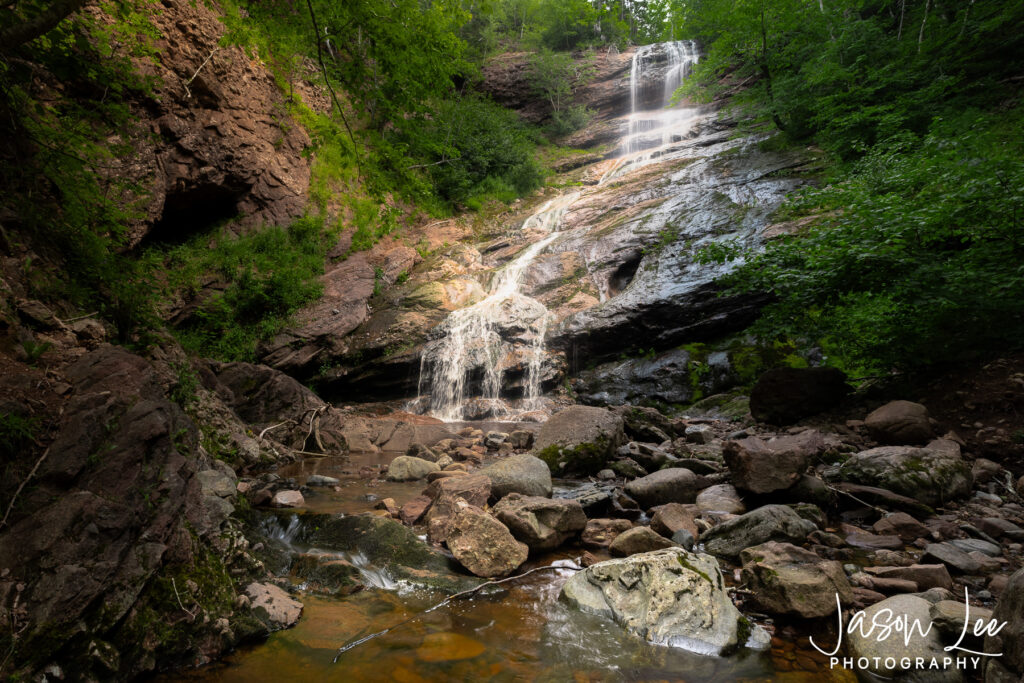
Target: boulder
{"points": [[599, 533], [760, 467], [768, 523], [784, 395], [672, 485], [951, 556], [1008, 668], [786, 579], [541, 523], [418, 450], [950, 617], [482, 544], [721, 498], [273, 606], [408, 468], [520, 439], [894, 657], [668, 597], [671, 517], [580, 439], [413, 511], [931, 475], [522, 473], [900, 423], [639, 539], [474, 489], [903, 525]]}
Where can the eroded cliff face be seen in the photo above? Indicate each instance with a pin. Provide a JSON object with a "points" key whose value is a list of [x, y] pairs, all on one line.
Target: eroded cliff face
{"points": [[214, 139]]}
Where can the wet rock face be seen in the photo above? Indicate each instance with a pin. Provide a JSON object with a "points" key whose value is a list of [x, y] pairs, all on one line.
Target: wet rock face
{"points": [[643, 594], [666, 378], [638, 233]]}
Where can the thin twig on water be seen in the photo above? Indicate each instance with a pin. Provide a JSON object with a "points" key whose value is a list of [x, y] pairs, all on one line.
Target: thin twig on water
{"points": [[348, 646]]}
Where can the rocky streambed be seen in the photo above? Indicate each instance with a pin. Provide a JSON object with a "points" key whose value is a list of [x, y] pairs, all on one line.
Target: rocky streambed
{"points": [[687, 548]]}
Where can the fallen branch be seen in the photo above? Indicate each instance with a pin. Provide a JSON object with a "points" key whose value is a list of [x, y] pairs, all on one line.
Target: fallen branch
{"points": [[10, 506], [77, 318], [348, 646], [175, 587], [188, 92], [850, 495], [271, 427]]}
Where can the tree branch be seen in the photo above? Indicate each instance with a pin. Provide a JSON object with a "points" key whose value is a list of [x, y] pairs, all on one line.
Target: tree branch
{"points": [[327, 82], [15, 36]]}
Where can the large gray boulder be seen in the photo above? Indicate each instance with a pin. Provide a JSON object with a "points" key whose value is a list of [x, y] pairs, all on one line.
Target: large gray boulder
{"points": [[901, 650], [541, 523], [786, 579], [580, 439], [931, 475], [768, 523], [669, 597], [672, 485], [523, 474]]}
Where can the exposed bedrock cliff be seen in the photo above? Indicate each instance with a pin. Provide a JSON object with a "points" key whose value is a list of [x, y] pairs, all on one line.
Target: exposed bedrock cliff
{"points": [[213, 139], [619, 277]]}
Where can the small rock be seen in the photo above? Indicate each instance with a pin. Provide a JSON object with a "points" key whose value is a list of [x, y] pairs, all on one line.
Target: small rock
{"points": [[321, 480], [409, 468], [721, 498], [699, 434], [274, 607], [541, 523], [684, 538], [672, 485], [768, 523], [520, 439], [599, 533], [970, 545], [671, 517], [288, 499], [523, 474], [901, 524]]}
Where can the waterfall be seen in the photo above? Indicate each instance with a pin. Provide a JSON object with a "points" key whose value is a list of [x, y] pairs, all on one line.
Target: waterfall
{"points": [[656, 72], [475, 347], [483, 335]]}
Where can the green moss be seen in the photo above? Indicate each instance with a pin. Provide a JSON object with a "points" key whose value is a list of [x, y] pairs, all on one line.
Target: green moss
{"points": [[687, 565], [586, 458]]}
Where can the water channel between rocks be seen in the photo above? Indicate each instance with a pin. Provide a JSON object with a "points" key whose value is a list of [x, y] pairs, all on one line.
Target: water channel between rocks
{"points": [[517, 632]]}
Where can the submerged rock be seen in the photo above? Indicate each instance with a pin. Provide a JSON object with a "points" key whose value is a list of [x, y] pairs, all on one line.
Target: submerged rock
{"points": [[668, 597]]}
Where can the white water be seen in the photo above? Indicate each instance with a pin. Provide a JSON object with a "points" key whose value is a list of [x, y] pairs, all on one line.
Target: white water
{"points": [[483, 336], [651, 128]]}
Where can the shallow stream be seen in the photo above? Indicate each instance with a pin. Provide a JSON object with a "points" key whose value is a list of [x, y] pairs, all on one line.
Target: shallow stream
{"points": [[517, 632]]}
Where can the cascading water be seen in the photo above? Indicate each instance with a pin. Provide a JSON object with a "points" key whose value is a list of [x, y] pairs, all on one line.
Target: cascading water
{"points": [[476, 346], [656, 72], [483, 335]]}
